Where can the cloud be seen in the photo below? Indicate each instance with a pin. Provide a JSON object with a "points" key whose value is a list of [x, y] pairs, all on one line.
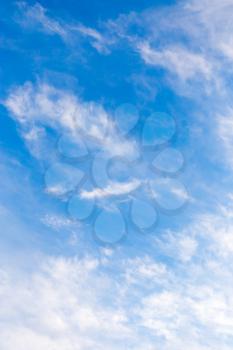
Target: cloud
{"points": [[59, 306], [192, 41], [181, 245], [36, 17], [113, 189], [215, 19], [57, 222], [212, 231], [173, 297], [97, 40], [103, 302], [178, 60], [199, 35], [225, 134], [43, 105]]}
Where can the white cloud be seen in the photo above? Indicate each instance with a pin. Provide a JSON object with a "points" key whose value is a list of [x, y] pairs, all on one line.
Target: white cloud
{"points": [[218, 229], [60, 307], [178, 60], [225, 134], [36, 17], [44, 105], [145, 269], [191, 40], [97, 304], [97, 40], [206, 28], [208, 233], [183, 246], [112, 189], [56, 222]]}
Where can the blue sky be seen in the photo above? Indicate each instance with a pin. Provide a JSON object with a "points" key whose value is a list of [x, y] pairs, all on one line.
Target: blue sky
{"points": [[116, 170]]}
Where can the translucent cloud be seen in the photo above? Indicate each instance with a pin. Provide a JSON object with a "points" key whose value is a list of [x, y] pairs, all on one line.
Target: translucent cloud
{"points": [[177, 60], [44, 105], [113, 189], [37, 17]]}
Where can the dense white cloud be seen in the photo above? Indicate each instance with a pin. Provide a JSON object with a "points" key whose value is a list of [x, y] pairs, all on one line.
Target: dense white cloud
{"points": [[85, 303]]}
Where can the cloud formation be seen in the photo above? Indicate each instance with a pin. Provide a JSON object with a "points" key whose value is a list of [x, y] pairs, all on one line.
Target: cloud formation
{"points": [[41, 105]]}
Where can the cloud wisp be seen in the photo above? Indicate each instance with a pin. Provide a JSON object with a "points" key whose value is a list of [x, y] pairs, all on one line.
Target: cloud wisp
{"points": [[44, 105]]}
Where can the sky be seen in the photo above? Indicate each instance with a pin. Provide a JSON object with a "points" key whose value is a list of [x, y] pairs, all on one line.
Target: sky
{"points": [[116, 200]]}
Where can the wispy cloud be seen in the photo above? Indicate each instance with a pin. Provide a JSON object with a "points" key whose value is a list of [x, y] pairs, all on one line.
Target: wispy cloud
{"points": [[192, 41], [225, 134], [44, 105], [178, 60], [112, 189], [37, 17]]}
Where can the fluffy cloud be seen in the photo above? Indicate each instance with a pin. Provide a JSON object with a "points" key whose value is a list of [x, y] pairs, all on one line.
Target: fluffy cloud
{"points": [[86, 303]]}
